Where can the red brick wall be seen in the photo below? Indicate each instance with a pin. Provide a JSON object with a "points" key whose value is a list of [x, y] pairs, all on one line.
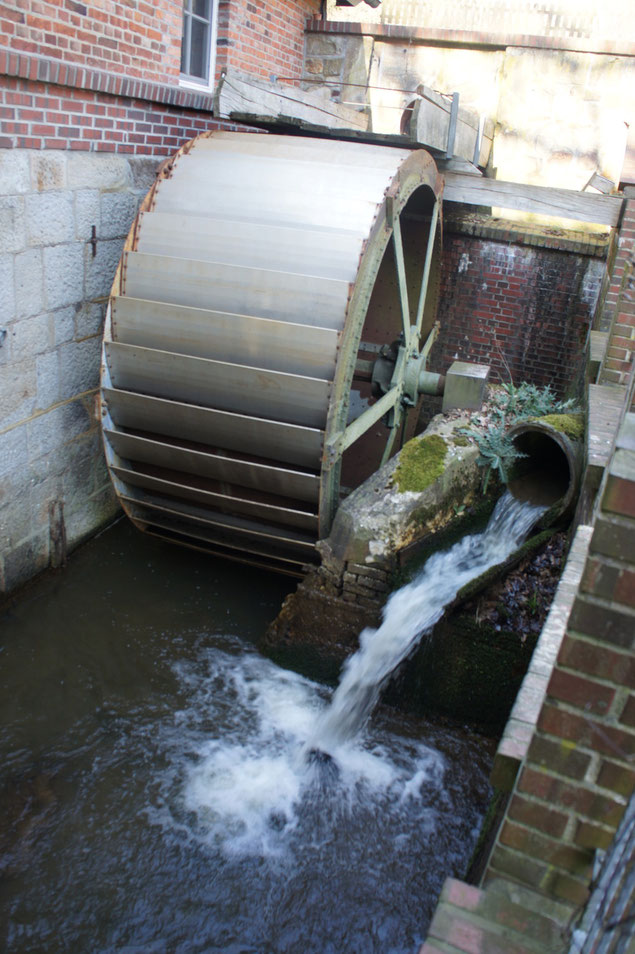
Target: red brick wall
{"points": [[263, 39], [579, 773], [526, 309], [38, 115], [104, 76], [620, 302], [135, 37]]}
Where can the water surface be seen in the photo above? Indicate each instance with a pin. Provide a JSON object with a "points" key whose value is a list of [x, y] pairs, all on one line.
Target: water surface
{"points": [[155, 792]]}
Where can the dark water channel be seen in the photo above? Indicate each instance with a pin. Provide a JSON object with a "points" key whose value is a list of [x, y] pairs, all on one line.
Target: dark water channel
{"points": [[154, 794]]}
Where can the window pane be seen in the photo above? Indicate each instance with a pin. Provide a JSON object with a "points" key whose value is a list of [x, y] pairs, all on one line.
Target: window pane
{"points": [[198, 49], [201, 8]]}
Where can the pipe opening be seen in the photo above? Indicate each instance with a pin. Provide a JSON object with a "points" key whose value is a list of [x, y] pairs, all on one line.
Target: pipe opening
{"points": [[546, 475]]}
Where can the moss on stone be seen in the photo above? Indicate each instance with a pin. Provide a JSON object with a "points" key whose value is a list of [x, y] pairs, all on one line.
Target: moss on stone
{"points": [[460, 440], [421, 462], [570, 424]]}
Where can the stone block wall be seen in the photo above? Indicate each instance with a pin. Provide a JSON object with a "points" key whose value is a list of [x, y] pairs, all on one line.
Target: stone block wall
{"points": [[556, 132], [54, 284], [90, 103]]}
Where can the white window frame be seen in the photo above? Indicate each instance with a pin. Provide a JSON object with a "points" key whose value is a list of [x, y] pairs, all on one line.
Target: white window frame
{"points": [[194, 82]]}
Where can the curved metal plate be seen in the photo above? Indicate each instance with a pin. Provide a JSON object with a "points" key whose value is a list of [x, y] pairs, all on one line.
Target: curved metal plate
{"points": [[239, 339], [326, 253], [303, 299], [304, 148], [274, 440], [244, 473], [228, 387], [228, 503], [304, 205], [266, 536]]}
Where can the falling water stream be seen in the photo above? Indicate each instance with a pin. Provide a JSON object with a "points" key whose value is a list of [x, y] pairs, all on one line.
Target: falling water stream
{"points": [[412, 611], [156, 795]]}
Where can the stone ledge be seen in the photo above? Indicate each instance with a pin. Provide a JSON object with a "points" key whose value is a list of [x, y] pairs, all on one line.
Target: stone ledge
{"points": [[598, 344], [606, 403], [466, 38], [523, 719]]}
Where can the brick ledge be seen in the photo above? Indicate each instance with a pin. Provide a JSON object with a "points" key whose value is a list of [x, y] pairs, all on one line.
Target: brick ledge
{"points": [[519, 731], [44, 69]]}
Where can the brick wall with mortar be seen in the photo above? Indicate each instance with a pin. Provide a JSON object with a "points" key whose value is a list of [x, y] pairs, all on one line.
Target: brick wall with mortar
{"points": [[143, 40], [520, 301], [90, 103], [579, 775], [618, 313], [138, 38], [576, 787], [263, 39]]}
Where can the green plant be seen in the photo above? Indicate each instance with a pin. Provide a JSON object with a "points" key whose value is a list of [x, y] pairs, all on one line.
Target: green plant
{"points": [[528, 400], [532, 602], [510, 405], [497, 452]]}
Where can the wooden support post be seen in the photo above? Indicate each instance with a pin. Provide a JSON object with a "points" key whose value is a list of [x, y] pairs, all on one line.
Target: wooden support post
{"points": [[454, 116]]}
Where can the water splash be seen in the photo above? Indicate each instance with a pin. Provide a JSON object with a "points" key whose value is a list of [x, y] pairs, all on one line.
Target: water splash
{"points": [[411, 612], [284, 761]]}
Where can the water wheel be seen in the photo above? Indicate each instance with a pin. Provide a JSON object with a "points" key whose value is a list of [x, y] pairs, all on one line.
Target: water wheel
{"points": [[263, 329]]}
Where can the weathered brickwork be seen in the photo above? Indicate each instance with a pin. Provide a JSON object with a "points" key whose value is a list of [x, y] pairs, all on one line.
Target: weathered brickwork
{"points": [[365, 586], [619, 309], [575, 779], [566, 36], [135, 37], [263, 39], [47, 116], [579, 775], [526, 311]]}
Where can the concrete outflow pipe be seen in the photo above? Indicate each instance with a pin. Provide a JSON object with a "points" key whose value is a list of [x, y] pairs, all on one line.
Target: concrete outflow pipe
{"points": [[550, 472]]}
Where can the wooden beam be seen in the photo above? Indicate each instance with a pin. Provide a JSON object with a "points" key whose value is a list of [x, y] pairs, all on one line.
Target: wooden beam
{"points": [[238, 95], [541, 200], [439, 122]]}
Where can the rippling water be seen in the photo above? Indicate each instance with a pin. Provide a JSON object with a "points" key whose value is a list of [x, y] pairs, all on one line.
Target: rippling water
{"points": [[155, 792]]}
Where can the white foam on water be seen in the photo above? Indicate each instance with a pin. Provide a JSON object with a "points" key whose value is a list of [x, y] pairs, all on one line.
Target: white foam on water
{"points": [[252, 790], [260, 783]]}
